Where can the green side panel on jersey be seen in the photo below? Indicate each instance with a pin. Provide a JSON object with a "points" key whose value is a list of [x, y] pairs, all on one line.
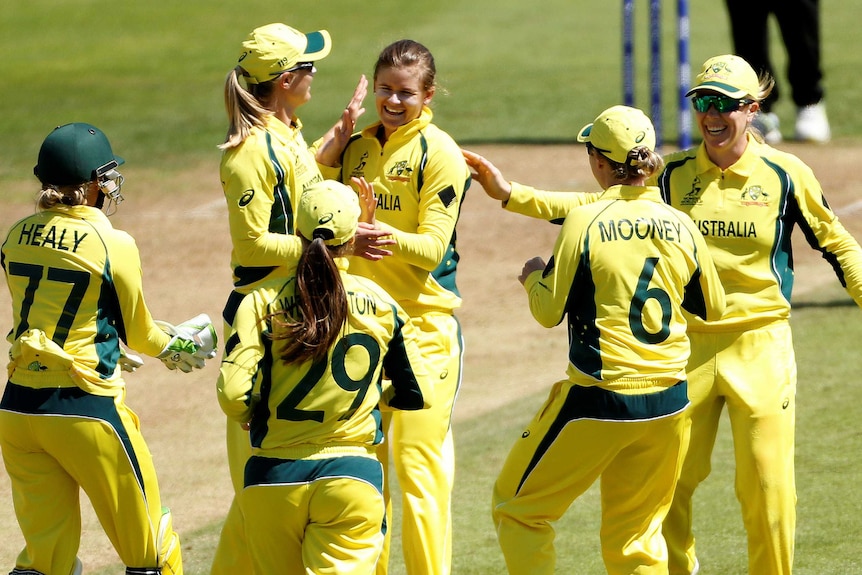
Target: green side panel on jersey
{"points": [[260, 420], [110, 327], [782, 251], [281, 217], [584, 336]]}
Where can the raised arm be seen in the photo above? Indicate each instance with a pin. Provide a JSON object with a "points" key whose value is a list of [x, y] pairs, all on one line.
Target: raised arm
{"points": [[333, 142]]}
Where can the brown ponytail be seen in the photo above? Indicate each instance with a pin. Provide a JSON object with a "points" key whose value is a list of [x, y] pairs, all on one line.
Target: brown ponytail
{"points": [[322, 303]]}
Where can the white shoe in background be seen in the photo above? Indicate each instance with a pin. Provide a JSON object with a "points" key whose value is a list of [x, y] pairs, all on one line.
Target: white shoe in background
{"points": [[812, 125], [768, 125]]}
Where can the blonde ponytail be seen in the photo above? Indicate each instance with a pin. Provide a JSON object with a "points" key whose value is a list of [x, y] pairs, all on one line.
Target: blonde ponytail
{"points": [[244, 108], [51, 196]]}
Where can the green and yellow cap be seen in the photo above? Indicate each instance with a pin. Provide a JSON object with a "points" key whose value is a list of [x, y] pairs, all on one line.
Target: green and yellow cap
{"points": [[729, 75], [617, 131], [275, 48], [73, 154], [328, 210]]}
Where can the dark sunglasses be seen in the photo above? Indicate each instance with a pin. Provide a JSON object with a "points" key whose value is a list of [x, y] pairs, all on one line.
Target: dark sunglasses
{"points": [[302, 66], [722, 104]]}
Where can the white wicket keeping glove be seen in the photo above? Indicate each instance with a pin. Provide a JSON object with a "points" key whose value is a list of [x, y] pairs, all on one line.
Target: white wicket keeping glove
{"points": [[194, 341], [128, 361]]}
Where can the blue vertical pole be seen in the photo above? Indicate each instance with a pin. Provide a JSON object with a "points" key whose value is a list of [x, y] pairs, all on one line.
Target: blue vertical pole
{"points": [[628, 53], [655, 69], [683, 74]]}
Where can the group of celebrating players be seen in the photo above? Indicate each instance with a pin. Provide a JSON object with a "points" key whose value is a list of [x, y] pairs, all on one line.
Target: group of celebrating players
{"points": [[342, 354]]}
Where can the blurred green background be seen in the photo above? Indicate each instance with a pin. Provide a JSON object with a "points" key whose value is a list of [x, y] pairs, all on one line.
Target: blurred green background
{"points": [[150, 74]]}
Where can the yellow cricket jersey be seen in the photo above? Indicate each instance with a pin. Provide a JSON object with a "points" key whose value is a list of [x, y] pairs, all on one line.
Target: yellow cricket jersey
{"points": [[308, 410], [262, 179], [76, 290], [623, 268], [544, 204], [419, 178], [747, 213]]}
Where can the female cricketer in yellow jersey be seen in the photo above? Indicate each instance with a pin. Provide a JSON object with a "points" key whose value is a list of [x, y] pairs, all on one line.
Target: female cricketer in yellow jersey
{"points": [[75, 285], [303, 368], [623, 269], [419, 179], [746, 198], [265, 166]]}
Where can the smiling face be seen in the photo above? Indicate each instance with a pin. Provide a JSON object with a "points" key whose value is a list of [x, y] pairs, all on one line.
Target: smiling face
{"points": [[399, 95], [724, 134]]}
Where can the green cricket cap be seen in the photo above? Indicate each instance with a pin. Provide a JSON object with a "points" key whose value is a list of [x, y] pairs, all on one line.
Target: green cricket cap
{"points": [[73, 154]]}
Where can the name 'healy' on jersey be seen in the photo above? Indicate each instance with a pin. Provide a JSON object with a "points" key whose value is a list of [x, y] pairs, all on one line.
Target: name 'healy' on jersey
{"points": [[38, 235]]}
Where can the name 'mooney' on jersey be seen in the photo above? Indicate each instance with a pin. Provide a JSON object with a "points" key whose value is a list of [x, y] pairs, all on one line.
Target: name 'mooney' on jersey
{"points": [[622, 271], [639, 229]]}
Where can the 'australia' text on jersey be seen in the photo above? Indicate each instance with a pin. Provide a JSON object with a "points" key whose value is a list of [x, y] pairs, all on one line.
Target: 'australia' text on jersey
{"points": [[723, 229], [389, 202]]}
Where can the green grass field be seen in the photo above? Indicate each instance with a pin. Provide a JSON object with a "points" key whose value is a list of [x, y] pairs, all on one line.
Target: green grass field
{"points": [[150, 75]]}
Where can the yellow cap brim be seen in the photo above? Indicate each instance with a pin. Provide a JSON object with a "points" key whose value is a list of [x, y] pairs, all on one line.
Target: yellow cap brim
{"points": [[318, 46], [719, 87]]}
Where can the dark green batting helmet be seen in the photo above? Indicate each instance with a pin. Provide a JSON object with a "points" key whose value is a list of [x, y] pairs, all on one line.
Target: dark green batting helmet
{"points": [[73, 154]]}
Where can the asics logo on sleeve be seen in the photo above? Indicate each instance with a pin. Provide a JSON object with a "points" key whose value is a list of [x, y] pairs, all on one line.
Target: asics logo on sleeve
{"points": [[245, 198]]}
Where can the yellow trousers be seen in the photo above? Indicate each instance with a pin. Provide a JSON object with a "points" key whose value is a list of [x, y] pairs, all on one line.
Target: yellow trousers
{"points": [[421, 450], [91, 443], [314, 516], [753, 374], [560, 454]]}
